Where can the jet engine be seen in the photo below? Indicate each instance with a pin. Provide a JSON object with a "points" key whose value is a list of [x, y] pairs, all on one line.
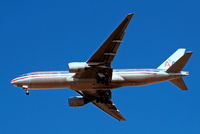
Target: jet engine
{"points": [[75, 67], [76, 101]]}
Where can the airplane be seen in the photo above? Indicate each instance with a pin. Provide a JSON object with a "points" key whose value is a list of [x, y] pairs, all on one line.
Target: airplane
{"points": [[95, 78]]}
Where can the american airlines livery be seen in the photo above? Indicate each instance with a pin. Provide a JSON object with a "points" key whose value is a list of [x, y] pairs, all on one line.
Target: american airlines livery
{"points": [[95, 78]]}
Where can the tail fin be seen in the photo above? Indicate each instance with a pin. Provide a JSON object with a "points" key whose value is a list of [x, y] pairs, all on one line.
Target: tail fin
{"points": [[178, 65], [179, 83], [172, 59]]}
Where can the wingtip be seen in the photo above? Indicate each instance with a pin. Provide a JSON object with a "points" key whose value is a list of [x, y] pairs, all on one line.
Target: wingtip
{"points": [[120, 117], [123, 120], [130, 14]]}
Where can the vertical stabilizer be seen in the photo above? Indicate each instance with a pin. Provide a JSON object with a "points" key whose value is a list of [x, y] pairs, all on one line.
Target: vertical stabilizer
{"points": [[172, 59], [178, 65]]}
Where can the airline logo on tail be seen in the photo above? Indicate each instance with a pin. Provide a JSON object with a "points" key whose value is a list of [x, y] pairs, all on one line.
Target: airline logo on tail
{"points": [[172, 59], [168, 63]]}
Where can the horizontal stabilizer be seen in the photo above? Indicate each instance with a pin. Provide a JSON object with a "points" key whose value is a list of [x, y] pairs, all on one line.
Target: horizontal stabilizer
{"points": [[179, 83], [178, 65]]}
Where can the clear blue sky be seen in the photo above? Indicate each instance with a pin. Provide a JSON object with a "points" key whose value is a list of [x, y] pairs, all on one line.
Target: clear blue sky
{"points": [[41, 35]]}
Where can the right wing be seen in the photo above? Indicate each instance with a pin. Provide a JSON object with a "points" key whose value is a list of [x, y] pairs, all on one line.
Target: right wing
{"points": [[105, 105]]}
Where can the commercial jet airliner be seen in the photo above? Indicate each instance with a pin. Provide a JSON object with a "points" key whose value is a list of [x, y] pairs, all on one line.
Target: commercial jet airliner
{"points": [[95, 78]]}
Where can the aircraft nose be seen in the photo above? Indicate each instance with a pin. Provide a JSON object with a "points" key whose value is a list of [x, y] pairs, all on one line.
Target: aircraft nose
{"points": [[14, 82], [19, 82]]}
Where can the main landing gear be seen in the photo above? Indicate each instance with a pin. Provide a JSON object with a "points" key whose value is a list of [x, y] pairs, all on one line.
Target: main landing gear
{"points": [[26, 89]]}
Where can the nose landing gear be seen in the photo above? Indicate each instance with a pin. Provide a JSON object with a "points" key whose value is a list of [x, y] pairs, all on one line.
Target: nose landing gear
{"points": [[27, 92], [25, 87]]}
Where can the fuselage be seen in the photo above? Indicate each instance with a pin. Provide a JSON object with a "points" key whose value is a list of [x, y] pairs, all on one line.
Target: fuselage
{"points": [[120, 78]]}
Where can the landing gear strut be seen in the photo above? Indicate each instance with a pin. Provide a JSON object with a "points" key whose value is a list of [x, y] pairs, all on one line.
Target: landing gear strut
{"points": [[26, 89]]}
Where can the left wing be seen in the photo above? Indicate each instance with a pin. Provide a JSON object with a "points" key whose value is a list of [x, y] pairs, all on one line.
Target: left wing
{"points": [[100, 61], [102, 99]]}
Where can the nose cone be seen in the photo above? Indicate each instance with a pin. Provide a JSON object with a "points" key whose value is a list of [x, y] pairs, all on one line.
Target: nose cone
{"points": [[14, 82], [18, 82]]}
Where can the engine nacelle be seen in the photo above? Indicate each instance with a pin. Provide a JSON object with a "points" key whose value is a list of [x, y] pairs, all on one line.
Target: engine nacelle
{"points": [[76, 101], [75, 67]]}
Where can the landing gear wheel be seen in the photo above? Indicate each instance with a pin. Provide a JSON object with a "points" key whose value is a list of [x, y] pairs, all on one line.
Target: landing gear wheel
{"points": [[27, 92]]}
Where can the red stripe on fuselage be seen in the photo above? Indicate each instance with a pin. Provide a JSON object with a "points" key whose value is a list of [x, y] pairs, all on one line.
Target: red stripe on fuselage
{"points": [[19, 78], [39, 76], [139, 73]]}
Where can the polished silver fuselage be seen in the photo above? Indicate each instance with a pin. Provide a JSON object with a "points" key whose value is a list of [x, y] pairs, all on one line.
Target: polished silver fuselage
{"points": [[120, 78]]}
